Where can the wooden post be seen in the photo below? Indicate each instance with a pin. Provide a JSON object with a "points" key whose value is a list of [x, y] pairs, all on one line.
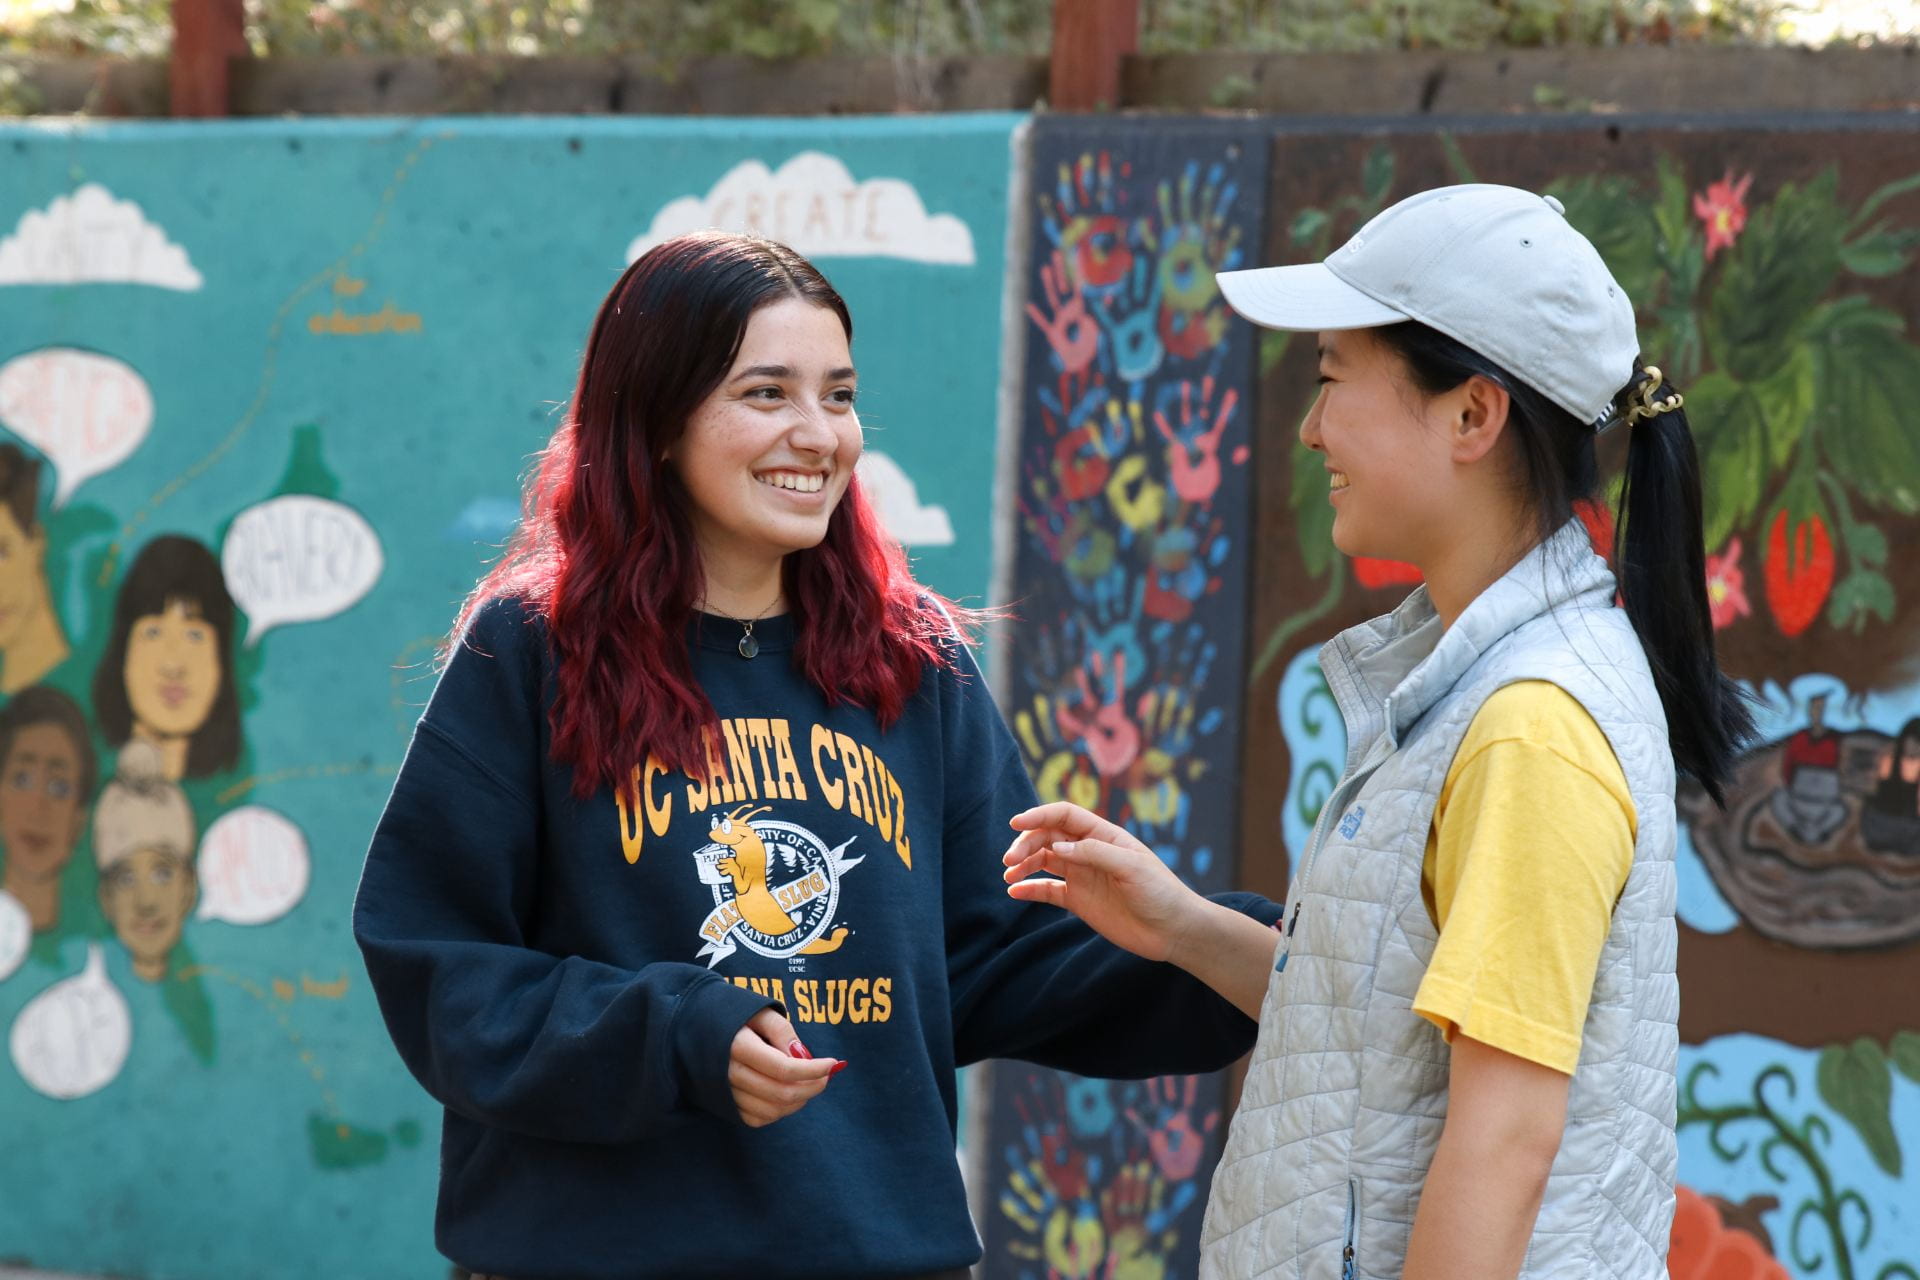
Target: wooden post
{"points": [[1090, 38], [206, 34]]}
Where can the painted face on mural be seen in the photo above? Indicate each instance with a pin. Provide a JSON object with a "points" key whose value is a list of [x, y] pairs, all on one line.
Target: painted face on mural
{"points": [[767, 456], [22, 589], [41, 814], [146, 896], [1389, 467], [173, 671]]}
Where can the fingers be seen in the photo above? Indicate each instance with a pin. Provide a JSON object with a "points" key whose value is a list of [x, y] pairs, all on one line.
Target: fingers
{"points": [[772, 1026], [1070, 820], [763, 1100], [1063, 856], [1051, 892], [770, 1072]]}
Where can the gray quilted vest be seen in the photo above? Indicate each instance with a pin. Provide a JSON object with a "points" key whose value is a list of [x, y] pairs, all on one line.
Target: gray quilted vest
{"points": [[1347, 1090]]}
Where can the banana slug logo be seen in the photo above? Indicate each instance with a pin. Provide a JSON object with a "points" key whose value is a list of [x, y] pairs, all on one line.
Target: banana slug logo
{"points": [[775, 888]]}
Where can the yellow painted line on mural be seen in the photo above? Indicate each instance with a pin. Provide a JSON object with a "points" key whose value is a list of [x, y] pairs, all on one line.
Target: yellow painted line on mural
{"points": [[349, 769], [270, 362], [279, 1012]]}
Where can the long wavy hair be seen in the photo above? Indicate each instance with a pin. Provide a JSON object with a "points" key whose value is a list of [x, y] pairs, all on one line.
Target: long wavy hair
{"points": [[605, 551]]}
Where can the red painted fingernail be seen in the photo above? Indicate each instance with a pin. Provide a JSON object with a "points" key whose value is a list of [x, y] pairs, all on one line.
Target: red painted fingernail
{"points": [[837, 1067], [798, 1050]]}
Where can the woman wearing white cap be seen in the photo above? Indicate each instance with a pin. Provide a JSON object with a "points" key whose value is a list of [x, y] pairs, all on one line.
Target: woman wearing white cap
{"points": [[1466, 1063]]}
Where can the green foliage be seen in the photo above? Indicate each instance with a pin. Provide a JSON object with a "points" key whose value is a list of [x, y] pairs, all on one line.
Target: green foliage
{"points": [[1856, 1082], [673, 30]]}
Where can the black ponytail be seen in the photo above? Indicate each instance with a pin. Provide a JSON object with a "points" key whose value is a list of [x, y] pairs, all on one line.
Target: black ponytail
{"points": [[1659, 545], [1659, 555]]}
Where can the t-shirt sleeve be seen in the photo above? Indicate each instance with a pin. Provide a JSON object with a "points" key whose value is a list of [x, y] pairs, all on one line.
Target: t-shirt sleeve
{"points": [[1530, 848]]}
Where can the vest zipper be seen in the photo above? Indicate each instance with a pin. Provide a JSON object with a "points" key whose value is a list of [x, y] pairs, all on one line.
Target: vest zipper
{"points": [[1349, 1269]]}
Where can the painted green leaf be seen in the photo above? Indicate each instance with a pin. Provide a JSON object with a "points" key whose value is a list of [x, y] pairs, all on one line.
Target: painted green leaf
{"points": [[1377, 178], [185, 1000], [1871, 205], [1865, 543], [1784, 262], [1904, 1053], [1867, 382], [1673, 212], [1732, 434], [307, 470], [338, 1145], [1457, 164], [1861, 595], [1857, 1083], [1878, 253], [1612, 212], [1307, 224], [1786, 401], [1273, 348], [1313, 514]]}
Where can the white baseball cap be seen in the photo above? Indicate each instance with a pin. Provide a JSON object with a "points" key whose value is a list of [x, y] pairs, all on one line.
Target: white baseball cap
{"points": [[1496, 268]]}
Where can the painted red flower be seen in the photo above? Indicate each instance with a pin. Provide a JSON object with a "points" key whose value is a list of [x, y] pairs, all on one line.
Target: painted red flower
{"points": [[1799, 568], [1722, 209], [1727, 586]]}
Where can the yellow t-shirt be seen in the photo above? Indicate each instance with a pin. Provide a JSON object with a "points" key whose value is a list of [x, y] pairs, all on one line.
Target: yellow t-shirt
{"points": [[1530, 847]]}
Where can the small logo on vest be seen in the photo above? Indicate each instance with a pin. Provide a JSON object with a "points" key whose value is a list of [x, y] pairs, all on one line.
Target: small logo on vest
{"points": [[1350, 825]]}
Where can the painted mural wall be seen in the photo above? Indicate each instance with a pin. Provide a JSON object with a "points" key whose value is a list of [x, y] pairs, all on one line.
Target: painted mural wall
{"points": [[1123, 677], [1773, 266], [267, 392]]}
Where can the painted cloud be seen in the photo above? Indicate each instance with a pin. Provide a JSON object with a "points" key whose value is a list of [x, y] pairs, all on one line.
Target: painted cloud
{"points": [[91, 238], [893, 492], [813, 203]]}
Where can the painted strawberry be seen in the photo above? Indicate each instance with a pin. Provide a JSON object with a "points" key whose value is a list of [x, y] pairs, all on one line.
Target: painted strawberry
{"points": [[1799, 566], [1374, 574]]}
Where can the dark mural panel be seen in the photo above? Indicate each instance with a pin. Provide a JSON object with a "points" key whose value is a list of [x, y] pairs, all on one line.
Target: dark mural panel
{"points": [[1772, 265], [1123, 680]]}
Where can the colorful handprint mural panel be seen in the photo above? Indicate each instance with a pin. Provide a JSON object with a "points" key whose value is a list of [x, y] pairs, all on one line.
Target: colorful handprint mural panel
{"points": [[1124, 679]]}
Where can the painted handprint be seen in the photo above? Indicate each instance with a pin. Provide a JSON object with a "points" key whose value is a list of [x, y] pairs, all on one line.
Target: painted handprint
{"points": [[1137, 1218], [1071, 333], [1111, 739], [1193, 449], [1083, 218], [1175, 1142], [1131, 317], [1048, 1187], [1195, 240]]}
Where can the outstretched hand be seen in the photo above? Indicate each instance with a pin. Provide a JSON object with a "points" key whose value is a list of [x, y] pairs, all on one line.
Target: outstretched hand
{"points": [[1109, 879]]}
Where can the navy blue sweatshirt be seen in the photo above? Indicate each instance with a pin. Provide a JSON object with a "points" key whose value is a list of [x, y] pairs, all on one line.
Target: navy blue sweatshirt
{"points": [[566, 977]]}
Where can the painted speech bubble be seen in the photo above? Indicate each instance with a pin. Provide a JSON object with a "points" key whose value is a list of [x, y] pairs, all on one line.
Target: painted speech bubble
{"points": [[16, 934], [298, 559], [85, 411], [253, 867], [72, 1039]]}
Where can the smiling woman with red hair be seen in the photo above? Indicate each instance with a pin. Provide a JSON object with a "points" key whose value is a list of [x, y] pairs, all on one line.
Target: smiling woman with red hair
{"points": [[706, 805]]}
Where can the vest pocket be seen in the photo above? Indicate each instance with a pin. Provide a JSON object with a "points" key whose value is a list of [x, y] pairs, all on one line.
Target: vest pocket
{"points": [[1349, 1265]]}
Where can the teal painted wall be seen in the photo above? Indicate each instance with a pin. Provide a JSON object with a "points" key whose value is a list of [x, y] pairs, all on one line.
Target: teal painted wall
{"points": [[383, 317]]}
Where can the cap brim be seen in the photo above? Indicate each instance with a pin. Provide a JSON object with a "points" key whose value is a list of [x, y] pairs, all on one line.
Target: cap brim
{"points": [[1306, 297]]}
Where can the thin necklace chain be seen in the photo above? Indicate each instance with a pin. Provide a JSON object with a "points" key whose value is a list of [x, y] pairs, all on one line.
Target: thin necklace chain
{"points": [[704, 607], [748, 647]]}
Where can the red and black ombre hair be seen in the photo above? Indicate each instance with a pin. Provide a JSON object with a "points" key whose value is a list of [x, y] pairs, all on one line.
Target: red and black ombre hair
{"points": [[605, 550]]}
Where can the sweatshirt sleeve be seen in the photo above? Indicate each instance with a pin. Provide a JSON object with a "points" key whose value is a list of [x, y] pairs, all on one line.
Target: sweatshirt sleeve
{"points": [[1030, 981], [557, 1047]]}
